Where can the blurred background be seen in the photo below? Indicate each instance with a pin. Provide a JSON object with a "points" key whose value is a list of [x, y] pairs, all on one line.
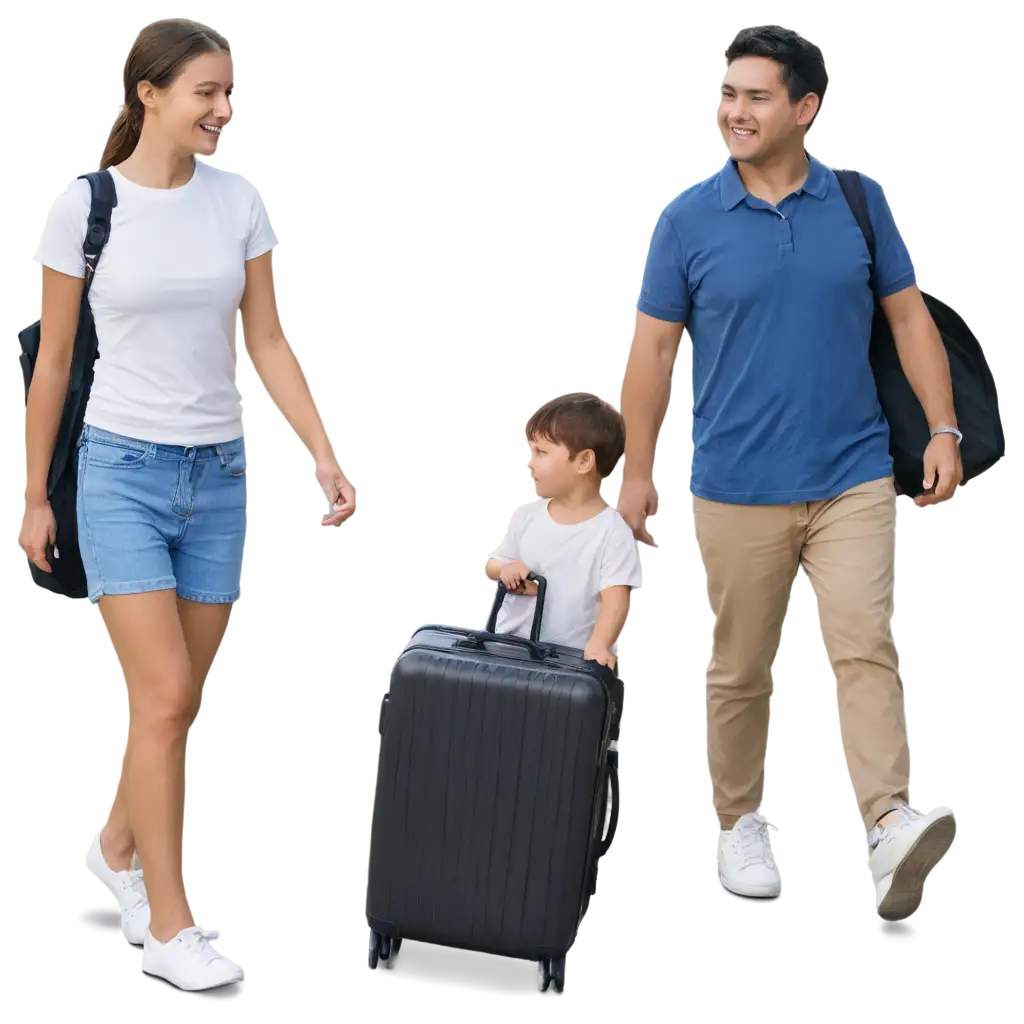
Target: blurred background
{"points": [[461, 200]]}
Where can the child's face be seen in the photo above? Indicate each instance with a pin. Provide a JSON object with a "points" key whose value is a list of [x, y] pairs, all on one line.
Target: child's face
{"points": [[553, 470]]}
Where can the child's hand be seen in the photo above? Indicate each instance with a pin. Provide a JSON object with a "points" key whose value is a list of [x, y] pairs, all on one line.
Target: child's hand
{"points": [[513, 575], [599, 653]]}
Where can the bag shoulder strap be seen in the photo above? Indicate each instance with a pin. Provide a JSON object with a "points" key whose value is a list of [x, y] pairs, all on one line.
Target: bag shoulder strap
{"points": [[853, 188], [97, 233]]}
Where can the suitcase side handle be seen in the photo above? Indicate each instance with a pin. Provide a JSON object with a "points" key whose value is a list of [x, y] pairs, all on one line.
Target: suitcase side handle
{"points": [[538, 614], [613, 821]]}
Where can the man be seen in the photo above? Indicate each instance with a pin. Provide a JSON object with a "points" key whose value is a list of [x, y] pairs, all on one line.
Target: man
{"points": [[765, 266]]}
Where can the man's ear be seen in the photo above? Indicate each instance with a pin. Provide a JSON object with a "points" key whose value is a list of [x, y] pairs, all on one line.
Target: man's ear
{"points": [[808, 109]]}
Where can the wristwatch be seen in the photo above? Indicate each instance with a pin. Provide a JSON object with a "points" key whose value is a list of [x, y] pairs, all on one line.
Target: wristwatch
{"points": [[949, 430]]}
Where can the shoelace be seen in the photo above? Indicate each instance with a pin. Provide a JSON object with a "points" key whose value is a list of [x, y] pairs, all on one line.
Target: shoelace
{"points": [[754, 845], [882, 833], [137, 884], [197, 942]]}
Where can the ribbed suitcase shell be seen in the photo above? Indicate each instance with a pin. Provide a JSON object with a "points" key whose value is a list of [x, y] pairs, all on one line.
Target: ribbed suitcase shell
{"points": [[489, 795]]}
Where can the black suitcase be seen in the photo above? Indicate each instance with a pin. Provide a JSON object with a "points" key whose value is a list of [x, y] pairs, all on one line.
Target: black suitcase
{"points": [[497, 794]]}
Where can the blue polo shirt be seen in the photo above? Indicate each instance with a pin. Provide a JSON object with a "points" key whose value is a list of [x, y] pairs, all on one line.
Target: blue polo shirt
{"points": [[778, 304]]}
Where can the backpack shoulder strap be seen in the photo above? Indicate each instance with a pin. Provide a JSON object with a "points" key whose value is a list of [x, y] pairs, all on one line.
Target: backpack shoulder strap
{"points": [[853, 188], [97, 232]]}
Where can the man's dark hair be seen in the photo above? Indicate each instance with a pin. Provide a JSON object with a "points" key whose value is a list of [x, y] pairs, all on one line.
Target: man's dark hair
{"points": [[803, 66], [581, 421]]}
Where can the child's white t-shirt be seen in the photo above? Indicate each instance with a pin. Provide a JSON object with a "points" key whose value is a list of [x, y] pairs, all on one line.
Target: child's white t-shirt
{"points": [[578, 560], [165, 301]]}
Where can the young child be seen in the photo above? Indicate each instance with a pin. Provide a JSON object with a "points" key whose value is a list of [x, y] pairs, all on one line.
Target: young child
{"points": [[581, 545]]}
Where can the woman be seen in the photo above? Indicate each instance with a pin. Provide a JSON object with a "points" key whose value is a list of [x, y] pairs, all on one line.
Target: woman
{"points": [[161, 503]]}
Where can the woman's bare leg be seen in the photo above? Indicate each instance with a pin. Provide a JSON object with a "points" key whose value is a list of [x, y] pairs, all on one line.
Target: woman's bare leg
{"points": [[117, 841], [203, 627], [147, 635]]}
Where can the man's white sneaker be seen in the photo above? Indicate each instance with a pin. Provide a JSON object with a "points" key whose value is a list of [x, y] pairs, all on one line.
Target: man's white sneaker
{"points": [[745, 862], [189, 961], [902, 854], [128, 888]]}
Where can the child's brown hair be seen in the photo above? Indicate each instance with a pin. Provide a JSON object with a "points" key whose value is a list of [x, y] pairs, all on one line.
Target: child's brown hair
{"points": [[581, 421]]}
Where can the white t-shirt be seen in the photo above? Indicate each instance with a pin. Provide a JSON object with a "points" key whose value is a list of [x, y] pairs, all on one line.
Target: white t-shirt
{"points": [[578, 560], [165, 301]]}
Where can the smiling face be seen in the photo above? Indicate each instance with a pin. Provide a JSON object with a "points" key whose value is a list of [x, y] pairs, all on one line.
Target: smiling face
{"points": [[195, 107], [756, 117]]}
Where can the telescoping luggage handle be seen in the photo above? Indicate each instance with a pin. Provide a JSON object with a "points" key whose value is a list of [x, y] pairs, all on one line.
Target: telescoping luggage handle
{"points": [[477, 638]]}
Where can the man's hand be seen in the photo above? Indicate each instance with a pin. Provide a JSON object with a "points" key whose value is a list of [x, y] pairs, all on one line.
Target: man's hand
{"points": [[599, 653], [513, 575], [638, 499], [943, 470]]}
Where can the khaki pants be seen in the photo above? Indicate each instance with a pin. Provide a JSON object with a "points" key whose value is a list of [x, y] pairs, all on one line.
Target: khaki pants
{"points": [[751, 554]]}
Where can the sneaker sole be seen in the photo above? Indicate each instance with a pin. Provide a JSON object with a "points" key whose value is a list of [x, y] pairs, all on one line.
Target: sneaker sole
{"points": [[904, 895], [761, 892], [232, 991], [184, 988]]}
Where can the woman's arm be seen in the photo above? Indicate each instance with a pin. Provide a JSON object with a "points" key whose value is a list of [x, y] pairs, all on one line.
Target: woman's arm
{"points": [[62, 297], [285, 382]]}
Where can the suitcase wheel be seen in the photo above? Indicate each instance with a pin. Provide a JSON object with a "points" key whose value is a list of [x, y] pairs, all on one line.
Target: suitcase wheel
{"points": [[551, 969], [380, 949], [389, 948]]}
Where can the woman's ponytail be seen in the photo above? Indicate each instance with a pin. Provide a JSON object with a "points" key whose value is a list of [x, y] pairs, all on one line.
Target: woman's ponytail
{"points": [[124, 136]]}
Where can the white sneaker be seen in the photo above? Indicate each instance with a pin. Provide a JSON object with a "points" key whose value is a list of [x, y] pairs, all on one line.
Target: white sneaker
{"points": [[903, 853], [745, 862], [129, 889], [189, 961]]}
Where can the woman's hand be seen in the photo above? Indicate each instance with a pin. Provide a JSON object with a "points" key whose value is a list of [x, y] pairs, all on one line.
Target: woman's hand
{"points": [[338, 491], [38, 529]]}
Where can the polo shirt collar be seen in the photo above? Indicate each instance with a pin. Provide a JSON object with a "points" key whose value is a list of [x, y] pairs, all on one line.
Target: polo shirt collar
{"points": [[818, 179], [731, 185], [733, 191]]}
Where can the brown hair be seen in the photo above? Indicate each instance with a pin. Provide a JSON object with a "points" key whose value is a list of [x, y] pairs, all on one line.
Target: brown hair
{"points": [[580, 422], [158, 56]]}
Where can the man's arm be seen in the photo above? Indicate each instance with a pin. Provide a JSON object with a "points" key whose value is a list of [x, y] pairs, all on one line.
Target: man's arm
{"points": [[921, 352], [662, 309], [646, 389], [924, 361], [922, 355]]}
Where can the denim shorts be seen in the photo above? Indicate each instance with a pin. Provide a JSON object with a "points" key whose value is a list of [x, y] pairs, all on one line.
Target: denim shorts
{"points": [[161, 517]]}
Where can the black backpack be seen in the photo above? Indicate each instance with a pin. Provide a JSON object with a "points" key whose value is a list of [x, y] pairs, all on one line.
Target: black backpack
{"points": [[974, 390], [68, 576]]}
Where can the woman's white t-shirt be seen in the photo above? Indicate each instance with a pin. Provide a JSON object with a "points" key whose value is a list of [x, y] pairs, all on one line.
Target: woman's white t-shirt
{"points": [[578, 560], [165, 301]]}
